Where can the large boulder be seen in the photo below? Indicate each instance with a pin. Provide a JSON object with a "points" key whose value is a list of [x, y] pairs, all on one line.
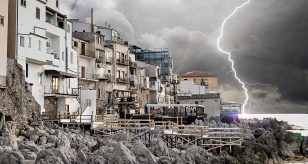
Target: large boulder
{"points": [[305, 147], [55, 155], [11, 157], [142, 154], [195, 154], [29, 150], [116, 152], [159, 148]]}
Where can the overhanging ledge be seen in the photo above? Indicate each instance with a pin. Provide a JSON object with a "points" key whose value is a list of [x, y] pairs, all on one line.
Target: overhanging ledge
{"points": [[60, 73]]}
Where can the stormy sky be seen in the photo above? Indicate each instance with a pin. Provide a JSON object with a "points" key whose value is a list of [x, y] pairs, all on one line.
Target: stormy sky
{"points": [[268, 40]]}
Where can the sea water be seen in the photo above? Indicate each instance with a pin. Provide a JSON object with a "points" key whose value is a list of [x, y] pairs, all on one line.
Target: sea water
{"points": [[298, 121]]}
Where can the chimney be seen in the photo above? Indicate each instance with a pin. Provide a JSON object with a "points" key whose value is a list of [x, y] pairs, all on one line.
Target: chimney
{"points": [[92, 24]]}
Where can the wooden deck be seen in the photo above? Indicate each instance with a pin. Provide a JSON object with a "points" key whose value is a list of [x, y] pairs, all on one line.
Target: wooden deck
{"points": [[173, 133]]}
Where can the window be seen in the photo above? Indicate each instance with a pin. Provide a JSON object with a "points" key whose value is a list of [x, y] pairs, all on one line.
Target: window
{"points": [[48, 44], [62, 56], [38, 13], [109, 71], [72, 59], [23, 3], [57, 3], [29, 44], [27, 70], [22, 41], [75, 44], [83, 48], [1, 20], [119, 74], [196, 102], [39, 45]]}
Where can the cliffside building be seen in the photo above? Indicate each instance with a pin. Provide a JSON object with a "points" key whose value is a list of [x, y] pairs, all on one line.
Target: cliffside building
{"points": [[45, 51]]}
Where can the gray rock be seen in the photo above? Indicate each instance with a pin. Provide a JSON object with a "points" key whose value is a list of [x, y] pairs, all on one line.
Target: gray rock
{"points": [[11, 157], [305, 147], [29, 150], [65, 156], [116, 152], [142, 154], [159, 148]]}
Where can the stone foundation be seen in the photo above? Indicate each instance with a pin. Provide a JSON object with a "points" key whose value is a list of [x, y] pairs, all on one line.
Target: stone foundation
{"points": [[15, 100]]}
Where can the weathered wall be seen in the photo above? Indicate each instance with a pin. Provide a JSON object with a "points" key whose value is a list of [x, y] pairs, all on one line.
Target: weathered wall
{"points": [[15, 100]]}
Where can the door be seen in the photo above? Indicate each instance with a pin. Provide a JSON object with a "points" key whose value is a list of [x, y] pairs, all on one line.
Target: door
{"points": [[54, 86]]}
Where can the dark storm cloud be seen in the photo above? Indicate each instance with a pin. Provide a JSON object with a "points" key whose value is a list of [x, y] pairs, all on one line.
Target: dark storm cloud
{"points": [[272, 46], [268, 39]]}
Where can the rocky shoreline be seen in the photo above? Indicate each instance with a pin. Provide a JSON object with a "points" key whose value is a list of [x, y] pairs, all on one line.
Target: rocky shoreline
{"points": [[266, 141]]}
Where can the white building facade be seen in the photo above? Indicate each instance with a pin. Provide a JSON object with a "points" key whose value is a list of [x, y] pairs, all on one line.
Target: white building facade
{"points": [[45, 51]]}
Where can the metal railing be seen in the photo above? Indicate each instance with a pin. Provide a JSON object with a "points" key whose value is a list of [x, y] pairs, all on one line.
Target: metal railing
{"points": [[61, 91], [88, 76], [104, 76], [87, 53], [122, 61], [123, 80]]}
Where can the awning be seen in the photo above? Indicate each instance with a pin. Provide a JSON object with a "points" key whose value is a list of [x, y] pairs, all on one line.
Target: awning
{"points": [[34, 61], [60, 73]]}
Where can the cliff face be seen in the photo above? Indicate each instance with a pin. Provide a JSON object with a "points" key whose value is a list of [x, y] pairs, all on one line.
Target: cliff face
{"points": [[16, 101]]}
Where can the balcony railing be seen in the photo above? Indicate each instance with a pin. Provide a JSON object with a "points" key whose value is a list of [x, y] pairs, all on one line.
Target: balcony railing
{"points": [[87, 53], [124, 100], [61, 91], [123, 80], [123, 62], [88, 76], [102, 76], [132, 64]]}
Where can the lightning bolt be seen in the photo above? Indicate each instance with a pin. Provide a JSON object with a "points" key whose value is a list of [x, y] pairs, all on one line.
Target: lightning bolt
{"points": [[229, 53]]}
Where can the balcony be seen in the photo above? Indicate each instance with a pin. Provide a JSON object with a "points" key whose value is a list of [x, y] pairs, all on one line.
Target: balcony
{"points": [[60, 92], [87, 53], [123, 80], [102, 76], [132, 64], [124, 100], [101, 59], [90, 76], [123, 62]]}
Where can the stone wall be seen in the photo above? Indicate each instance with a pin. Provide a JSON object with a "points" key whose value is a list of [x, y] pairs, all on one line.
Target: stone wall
{"points": [[16, 100]]}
